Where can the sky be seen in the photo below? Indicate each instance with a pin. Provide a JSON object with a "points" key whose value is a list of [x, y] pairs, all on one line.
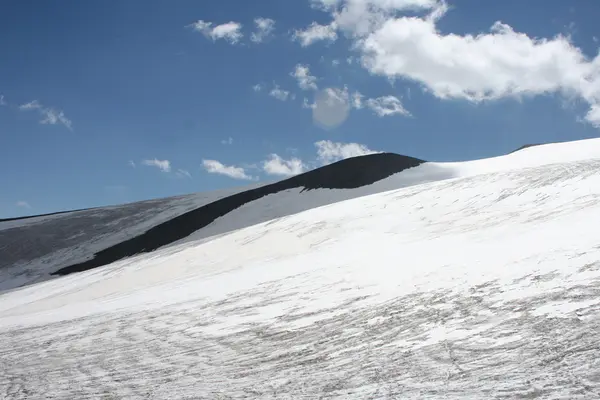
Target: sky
{"points": [[111, 102]]}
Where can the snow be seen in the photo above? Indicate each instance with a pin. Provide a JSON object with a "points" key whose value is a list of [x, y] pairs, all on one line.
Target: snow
{"points": [[482, 285], [24, 262]]}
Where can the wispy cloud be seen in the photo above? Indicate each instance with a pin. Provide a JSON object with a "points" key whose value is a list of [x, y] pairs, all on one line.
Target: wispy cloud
{"points": [[32, 105], [227, 141], [50, 116], [279, 94], [216, 167], [23, 204], [2, 101], [328, 151], [275, 165], [258, 87], [307, 104], [163, 165], [305, 80], [183, 173], [53, 117], [314, 33], [230, 31], [264, 29], [387, 105], [132, 163]]}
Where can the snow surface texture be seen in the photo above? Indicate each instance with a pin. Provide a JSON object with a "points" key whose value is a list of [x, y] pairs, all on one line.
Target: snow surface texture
{"points": [[485, 286]]}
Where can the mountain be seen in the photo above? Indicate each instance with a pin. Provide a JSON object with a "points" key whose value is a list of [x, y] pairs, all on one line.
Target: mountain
{"points": [[465, 280], [39, 247]]}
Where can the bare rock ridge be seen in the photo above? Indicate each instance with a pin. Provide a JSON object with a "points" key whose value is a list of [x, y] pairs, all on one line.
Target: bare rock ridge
{"points": [[525, 146], [346, 174]]}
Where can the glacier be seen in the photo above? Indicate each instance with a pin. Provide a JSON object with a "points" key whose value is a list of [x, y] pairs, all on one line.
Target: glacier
{"points": [[462, 280]]}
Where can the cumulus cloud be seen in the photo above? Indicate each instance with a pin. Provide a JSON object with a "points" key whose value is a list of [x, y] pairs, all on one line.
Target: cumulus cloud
{"points": [[305, 80], [264, 29], [498, 63], [230, 31], [328, 151], [275, 165], [215, 167], [387, 105], [49, 115], [163, 165], [23, 204], [314, 33], [279, 93]]}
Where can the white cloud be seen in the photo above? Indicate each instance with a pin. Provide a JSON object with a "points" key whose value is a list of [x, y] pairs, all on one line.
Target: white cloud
{"points": [[324, 5], [2, 101], [53, 117], [314, 33], [230, 31], [183, 173], [494, 65], [163, 165], [306, 104], [32, 105], [215, 167], [279, 93], [258, 87], [264, 28], [227, 141], [50, 116], [305, 80], [499, 63], [387, 105], [132, 163], [342, 95], [593, 115], [328, 151], [23, 204], [275, 165], [360, 17], [357, 101]]}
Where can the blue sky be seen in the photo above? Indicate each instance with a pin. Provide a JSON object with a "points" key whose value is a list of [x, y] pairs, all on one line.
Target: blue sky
{"points": [[111, 102]]}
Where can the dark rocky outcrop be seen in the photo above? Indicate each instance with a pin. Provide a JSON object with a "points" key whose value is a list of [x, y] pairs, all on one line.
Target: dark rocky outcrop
{"points": [[346, 174], [526, 146]]}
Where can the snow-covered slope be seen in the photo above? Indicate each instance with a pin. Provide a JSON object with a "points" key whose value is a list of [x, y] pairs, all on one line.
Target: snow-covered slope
{"points": [[33, 248], [482, 286]]}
